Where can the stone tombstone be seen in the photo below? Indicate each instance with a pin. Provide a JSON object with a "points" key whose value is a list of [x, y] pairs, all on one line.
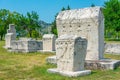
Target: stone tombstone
{"points": [[26, 45], [86, 23], [11, 29], [10, 36], [49, 42], [70, 54]]}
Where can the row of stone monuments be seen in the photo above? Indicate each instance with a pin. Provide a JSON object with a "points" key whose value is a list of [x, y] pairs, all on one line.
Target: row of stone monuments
{"points": [[79, 46], [28, 44]]}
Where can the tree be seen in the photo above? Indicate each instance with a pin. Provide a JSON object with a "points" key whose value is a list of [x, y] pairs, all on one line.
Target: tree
{"points": [[63, 9], [3, 22], [32, 22], [92, 5], [112, 16], [35, 34], [68, 8], [53, 26], [28, 23]]}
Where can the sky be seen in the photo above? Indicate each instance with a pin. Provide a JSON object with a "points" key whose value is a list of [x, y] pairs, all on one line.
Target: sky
{"points": [[46, 9]]}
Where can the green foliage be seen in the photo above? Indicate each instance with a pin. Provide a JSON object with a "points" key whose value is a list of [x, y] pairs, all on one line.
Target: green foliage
{"points": [[32, 22], [63, 9], [4, 14], [92, 5], [112, 18], [35, 34], [25, 24], [68, 8], [53, 26]]}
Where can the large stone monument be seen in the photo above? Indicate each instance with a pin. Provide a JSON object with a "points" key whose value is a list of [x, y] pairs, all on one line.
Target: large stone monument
{"points": [[70, 53], [49, 42], [87, 23], [10, 36]]}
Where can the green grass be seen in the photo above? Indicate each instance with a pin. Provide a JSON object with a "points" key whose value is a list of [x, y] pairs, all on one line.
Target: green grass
{"points": [[116, 42], [32, 66]]}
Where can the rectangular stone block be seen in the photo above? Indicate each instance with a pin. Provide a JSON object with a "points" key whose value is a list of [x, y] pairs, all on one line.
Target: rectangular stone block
{"points": [[9, 37], [26, 45], [49, 42], [86, 23], [70, 53]]}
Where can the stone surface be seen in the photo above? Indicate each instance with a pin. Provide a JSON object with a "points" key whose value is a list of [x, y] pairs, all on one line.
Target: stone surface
{"points": [[70, 56], [11, 29], [49, 42], [70, 53], [70, 74], [86, 23], [10, 36], [112, 48], [26, 45], [103, 64], [51, 60]]}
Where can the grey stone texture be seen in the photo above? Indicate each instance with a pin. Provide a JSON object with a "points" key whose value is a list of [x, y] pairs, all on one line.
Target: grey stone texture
{"points": [[51, 59], [70, 56], [70, 53], [49, 42], [86, 23], [10, 36], [70, 74], [26, 45], [112, 48], [103, 64]]}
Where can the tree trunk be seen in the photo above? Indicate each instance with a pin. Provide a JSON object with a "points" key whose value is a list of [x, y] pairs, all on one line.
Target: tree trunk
{"points": [[30, 34], [1, 37]]}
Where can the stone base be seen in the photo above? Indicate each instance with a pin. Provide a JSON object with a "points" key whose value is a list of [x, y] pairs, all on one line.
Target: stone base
{"points": [[103, 64], [51, 59], [70, 74], [5, 47], [44, 51]]}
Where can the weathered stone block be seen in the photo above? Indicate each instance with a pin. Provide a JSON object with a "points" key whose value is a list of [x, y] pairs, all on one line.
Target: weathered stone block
{"points": [[86, 23], [70, 55], [49, 42], [26, 45], [10, 36]]}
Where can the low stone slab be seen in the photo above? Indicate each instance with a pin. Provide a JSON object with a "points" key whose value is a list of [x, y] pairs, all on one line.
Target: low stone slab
{"points": [[45, 51], [103, 64], [51, 59], [112, 48], [70, 74]]}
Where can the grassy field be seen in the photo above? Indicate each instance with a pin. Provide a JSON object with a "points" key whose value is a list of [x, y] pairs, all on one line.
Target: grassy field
{"points": [[115, 42], [32, 66]]}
